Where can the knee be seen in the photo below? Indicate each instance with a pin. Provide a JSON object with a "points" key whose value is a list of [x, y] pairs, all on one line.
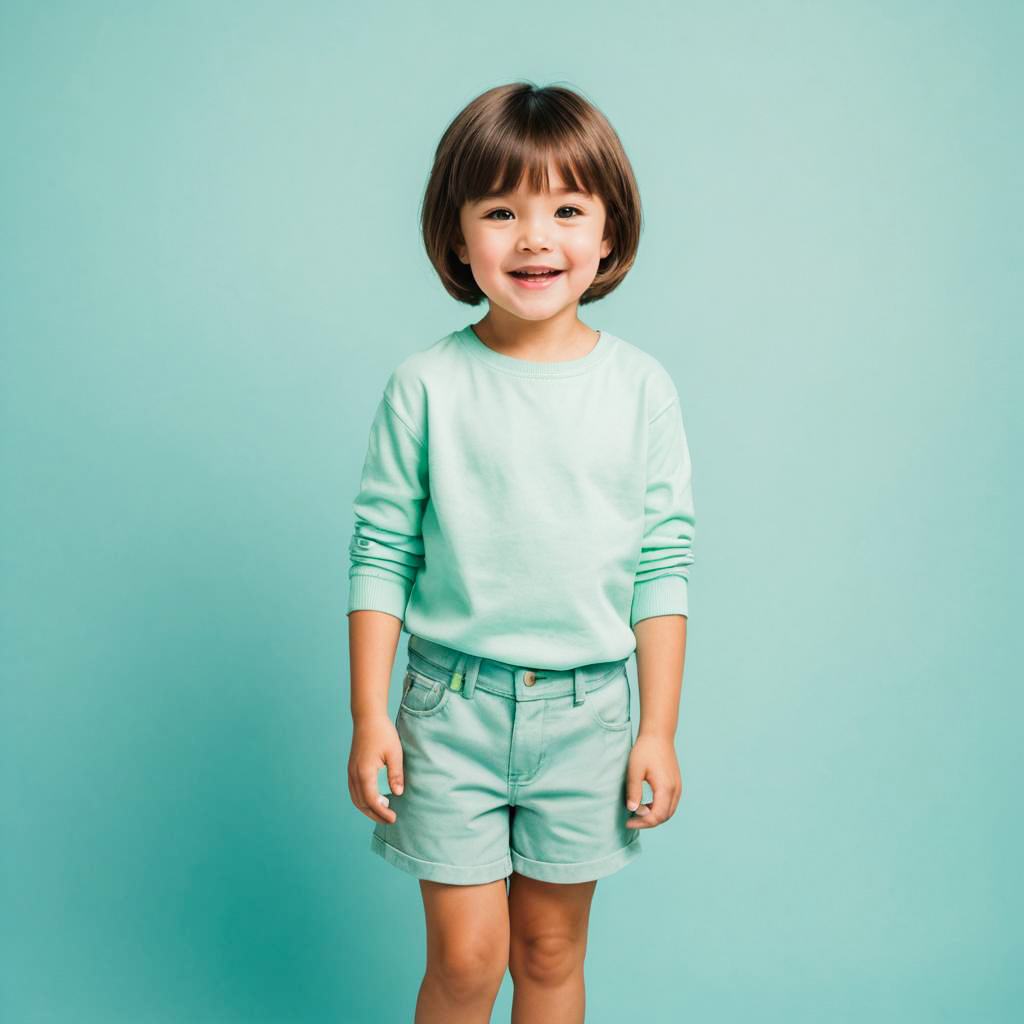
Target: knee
{"points": [[549, 959], [467, 971]]}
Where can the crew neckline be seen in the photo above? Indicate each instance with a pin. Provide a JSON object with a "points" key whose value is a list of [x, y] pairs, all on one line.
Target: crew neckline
{"points": [[535, 367]]}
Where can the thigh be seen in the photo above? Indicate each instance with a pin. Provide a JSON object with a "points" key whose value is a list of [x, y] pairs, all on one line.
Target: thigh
{"points": [[467, 925]]}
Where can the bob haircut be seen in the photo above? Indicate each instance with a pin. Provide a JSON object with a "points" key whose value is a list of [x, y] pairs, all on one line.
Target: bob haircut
{"points": [[517, 128]]}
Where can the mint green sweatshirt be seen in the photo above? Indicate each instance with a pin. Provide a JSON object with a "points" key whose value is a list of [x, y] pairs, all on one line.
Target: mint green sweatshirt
{"points": [[528, 512]]}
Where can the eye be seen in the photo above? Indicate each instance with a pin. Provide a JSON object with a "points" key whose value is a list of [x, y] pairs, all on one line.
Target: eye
{"points": [[491, 214]]}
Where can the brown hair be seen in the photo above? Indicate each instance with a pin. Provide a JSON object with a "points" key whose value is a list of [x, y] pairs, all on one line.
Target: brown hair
{"points": [[519, 127]]}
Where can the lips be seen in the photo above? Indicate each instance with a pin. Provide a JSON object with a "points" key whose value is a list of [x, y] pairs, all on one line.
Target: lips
{"points": [[535, 281]]}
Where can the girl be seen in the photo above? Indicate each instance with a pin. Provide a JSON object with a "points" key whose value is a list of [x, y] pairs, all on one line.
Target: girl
{"points": [[526, 512]]}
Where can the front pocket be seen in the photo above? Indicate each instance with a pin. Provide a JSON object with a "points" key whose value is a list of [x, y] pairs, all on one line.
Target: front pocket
{"points": [[422, 696], [610, 705]]}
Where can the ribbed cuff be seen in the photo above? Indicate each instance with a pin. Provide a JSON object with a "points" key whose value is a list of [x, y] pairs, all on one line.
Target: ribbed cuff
{"points": [[376, 593], [665, 595]]}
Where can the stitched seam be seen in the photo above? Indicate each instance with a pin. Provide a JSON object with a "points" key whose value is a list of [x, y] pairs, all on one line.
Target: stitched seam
{"points": [[446, 692], [444, 681], [540, 375], [430, 661], [362, 569], [663, 411], [440, 864], [400, 418]]}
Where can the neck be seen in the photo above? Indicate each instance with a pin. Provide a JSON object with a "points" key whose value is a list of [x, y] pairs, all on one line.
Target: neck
{"points": [[542, 341]]}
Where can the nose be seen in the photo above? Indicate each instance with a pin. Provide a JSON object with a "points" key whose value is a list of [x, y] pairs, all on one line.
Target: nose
{"points": [[534, 236]]}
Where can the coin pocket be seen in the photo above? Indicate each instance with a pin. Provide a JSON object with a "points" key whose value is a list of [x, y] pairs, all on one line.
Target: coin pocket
{"points": [[610, 705], [421, 695]]}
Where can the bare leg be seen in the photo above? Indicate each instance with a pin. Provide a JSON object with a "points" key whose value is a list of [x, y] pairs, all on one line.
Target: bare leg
{"points": [[548, 941], [467, 952]]}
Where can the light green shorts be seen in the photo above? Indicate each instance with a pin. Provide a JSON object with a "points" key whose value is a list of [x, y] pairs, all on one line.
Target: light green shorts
{"points": [[510, 769]]}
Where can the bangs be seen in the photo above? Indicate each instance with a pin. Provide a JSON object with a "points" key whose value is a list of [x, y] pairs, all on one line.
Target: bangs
{"points": [[498, 162]]}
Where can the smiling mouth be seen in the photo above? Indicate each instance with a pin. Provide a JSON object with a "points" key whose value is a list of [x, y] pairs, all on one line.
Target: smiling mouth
{"points": [[539, 276]]}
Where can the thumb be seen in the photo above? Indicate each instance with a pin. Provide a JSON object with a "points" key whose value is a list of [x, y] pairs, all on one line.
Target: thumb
{"points": [[634, 787], [396, 780]]}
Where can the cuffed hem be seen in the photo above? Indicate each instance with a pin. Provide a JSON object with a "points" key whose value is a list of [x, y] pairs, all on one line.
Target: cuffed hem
{"points": [[664, 595], [584, 871], [376, 593], [453, 874]]}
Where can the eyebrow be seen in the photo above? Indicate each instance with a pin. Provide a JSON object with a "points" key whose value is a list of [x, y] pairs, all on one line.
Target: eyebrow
{"points": [[564, 191]]}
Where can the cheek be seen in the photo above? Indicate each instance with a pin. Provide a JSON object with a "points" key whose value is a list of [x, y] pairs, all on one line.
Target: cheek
{"points": [[585, 252], [488, 257]]}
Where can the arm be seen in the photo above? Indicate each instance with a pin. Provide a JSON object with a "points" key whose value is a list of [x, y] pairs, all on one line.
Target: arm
{"points": [[386, 552], [661, 586], [660, 653], [386, 549], [659, 616], [373, 639], [372, 643]]}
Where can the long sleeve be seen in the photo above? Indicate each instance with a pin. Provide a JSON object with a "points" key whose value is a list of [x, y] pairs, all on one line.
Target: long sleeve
{"points": [[386, 549], [662, 577]]}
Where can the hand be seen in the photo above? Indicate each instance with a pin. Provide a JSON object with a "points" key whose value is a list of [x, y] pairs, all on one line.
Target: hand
{"points": [[375, 742], [653, 758]]}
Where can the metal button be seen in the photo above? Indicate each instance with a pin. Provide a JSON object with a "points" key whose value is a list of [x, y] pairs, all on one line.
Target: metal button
{"points": [[530, 678]]}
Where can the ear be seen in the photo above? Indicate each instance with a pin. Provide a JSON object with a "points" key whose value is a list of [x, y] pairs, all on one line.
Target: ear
{"points": [[606, 246], [459, 246]]}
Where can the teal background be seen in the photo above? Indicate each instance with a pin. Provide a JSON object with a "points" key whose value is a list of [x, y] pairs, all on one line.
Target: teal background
{"points": [[210, 264]]}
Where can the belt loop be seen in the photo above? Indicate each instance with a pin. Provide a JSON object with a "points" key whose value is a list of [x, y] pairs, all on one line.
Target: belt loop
{"points": [[472, 671], [467, 668], [578, 685]]}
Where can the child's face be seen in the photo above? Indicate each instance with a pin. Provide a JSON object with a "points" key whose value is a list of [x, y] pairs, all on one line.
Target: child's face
{"points": [[564, 231]]}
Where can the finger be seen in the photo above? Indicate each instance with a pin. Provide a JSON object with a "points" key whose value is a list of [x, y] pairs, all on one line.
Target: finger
{"points": [[396, 777], [373, 804], [639, 818], [634, 786], [660, 804], [675, 799], [382, 814], [361, 805], [656, 812]]}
